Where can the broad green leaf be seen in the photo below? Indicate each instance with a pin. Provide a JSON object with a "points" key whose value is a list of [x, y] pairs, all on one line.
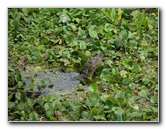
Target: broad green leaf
{"points": [[11, 105], [33, 116], [144, 93], [119, 94], [105, 74], [87, 53], [47, 106], [56, 104], [127, 80], [10, 95], [136, 68], [154, 99], [120, 99], [93, 88], [58, 30], [94, 100], [108, 104], [123, 73], [14, 24], [118, 112], [73, 27], [135, 13], [85, 114], [18, 95], [124, 34], [100, 115], [82, 45], [145, 80], [68, 38], [23, 97], [115, 71], [108, 27], [74, 106], [132, 86], [93, 33], [52, 118], [49, 113], [40, 47], [18, 77], [30, 102], [130, 35], [126, 63], [109, 62]]}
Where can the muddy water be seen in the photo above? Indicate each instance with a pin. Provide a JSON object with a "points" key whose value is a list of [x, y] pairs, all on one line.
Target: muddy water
{"points": [[49, 82]]}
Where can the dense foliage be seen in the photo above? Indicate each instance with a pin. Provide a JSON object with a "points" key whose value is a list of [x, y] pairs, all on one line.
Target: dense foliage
{"points": [[124, 87]]}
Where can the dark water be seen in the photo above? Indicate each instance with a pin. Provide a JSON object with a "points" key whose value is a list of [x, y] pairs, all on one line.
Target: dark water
{"points": [[48, 81]]}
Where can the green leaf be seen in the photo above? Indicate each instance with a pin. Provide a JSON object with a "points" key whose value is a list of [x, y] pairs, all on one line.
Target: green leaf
{"points": [[32, 86], [130, 35], [109, 62], [127, 80], [93, 88], [115, 71], [85, 114], [74, 106], [118, 112], [144, 93], [23, 97], [124, 34], [52, 118], [47, 106], [25, 10], [49, 113], [136, 68], [109, 103], [33, 116], [48, 98], [14, 23], [154, 99], [126, 63], [119, 94], [73, 27], [30, 102], [58, 30], [94, 100], [132, 86], [120, 99], [105, 74], [68, 38], [40, 47], [18, 77], [100, 115], [82, 45], [10, 96], [145, 80], [123, 73], [18, 95], [11, 105], [56, 104], [108, 27], [93, 33], [87, 53]]}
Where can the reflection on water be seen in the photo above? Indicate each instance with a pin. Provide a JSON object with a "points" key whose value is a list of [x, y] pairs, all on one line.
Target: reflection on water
{"points": [[48, 81]]}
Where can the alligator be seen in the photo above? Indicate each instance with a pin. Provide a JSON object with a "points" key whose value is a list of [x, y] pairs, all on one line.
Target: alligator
{"points": [[89, 69]]}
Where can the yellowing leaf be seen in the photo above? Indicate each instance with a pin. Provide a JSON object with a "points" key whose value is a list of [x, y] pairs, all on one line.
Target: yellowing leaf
{"points": [[119, 14]]}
